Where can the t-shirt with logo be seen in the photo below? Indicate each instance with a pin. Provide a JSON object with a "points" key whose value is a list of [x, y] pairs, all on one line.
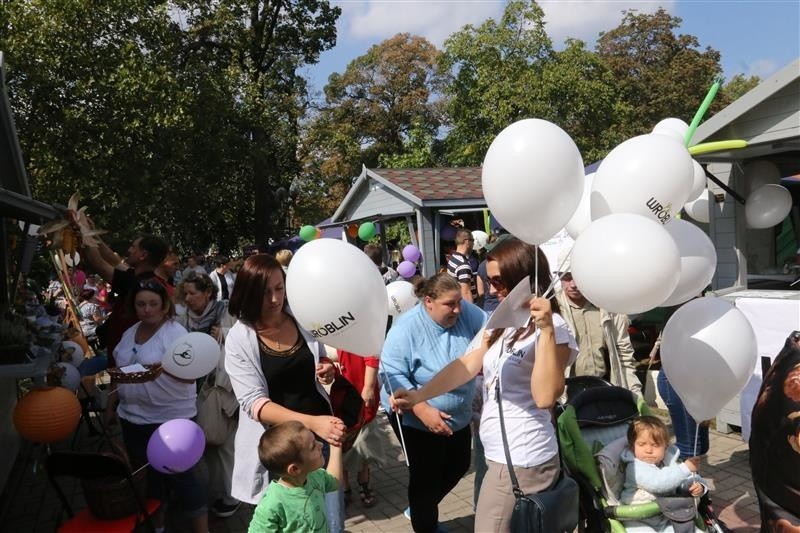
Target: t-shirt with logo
{"points": [[531, 437], [459, 267]]}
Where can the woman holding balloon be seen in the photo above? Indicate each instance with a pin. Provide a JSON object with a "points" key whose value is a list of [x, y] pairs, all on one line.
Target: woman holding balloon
{"points": [[276, 369], [143, 407], [527, 364], [437, 434]]}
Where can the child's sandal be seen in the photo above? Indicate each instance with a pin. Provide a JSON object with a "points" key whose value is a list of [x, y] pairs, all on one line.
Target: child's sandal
{"points": [[367, 498]]}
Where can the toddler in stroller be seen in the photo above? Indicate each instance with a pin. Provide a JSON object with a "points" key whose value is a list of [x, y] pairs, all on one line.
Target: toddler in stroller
{"points": [[593, 429]]}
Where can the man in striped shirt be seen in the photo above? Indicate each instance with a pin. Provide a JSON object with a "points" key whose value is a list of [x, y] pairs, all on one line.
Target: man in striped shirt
{"points": [[458, 265]]}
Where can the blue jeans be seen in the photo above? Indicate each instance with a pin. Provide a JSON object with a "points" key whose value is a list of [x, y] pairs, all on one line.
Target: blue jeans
{"points": [[683, 424]]}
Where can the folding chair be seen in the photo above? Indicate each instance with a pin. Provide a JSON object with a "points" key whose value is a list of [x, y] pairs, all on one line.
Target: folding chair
{"points": [[93, 467]]}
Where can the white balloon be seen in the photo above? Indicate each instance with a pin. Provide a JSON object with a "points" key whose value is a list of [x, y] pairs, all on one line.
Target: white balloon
{"points": [[71, 379], [708, 352], [582, 216], [698, 208], [767, 206], [480, 239], [72, 353], [533, 179], [338, 295], [759, 173], [698, 260], [401, 297], [647, 175], [698, 181], [625, 263], [674, 128], [192, 356]]}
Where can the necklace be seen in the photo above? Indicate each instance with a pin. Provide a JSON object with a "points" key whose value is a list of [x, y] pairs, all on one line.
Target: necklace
{"points": [[277, 340]]}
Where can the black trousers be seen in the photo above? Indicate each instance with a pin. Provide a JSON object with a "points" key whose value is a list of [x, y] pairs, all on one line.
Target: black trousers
{"points": [[436, 465]]}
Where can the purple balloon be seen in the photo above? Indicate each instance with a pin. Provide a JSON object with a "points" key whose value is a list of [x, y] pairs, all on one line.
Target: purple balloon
{"points": [[176, 446], [448, 233], [411, 253], [407, 269]]}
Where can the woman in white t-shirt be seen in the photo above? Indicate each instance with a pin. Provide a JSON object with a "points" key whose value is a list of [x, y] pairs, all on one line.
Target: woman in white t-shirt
{"points": [[529, 363], [143, 407]]}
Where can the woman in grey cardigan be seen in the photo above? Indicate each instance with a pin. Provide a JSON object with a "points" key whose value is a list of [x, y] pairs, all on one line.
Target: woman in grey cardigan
{"points": [[275, 370]]}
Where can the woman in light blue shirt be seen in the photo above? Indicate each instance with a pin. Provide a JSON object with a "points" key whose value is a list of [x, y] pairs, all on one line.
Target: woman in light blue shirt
{"points": [[437, 434]]}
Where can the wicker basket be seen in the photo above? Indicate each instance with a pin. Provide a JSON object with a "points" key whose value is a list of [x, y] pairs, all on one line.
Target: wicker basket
{"points": [[111, 498], [118, 376]]}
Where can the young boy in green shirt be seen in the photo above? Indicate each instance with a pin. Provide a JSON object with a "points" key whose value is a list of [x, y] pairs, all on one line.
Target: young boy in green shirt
{"points": [[295, 501]]}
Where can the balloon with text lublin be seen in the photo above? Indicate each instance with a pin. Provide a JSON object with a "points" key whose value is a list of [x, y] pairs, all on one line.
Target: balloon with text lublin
{"points": [[648, 175], [401, 297], [532, 179], [625, 263], [176, 446], [767, 206], [337, 294], [698, 261], [708, 352]]}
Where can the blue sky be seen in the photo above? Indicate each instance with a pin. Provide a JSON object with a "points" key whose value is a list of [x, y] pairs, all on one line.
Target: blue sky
{"points": [[754, 36]]}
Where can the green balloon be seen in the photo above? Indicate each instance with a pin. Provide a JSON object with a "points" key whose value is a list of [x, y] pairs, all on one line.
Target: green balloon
{"points": [[366, 231], [308, 233]]}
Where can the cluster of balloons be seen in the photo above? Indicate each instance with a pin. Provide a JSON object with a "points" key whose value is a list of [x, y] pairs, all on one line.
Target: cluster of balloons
{"points": [[176, 446], [411, 256], [631, 252]]}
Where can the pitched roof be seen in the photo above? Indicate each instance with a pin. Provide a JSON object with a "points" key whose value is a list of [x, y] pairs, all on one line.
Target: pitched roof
{"points": [[431, 184]]}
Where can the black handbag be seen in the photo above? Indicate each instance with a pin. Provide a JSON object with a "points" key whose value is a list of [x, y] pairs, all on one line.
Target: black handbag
{"points": [[551, 511]]}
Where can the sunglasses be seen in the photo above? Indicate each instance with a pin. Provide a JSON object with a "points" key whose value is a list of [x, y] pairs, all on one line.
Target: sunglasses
{"points": [[497, 283]]}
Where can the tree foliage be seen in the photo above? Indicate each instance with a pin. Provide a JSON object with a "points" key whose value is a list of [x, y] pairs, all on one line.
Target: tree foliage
{"points": [[174, 117]]}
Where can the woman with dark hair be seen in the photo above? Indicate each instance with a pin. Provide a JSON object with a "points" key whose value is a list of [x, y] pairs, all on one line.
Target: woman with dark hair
{"points": [[143, 407], [275, 369], [527, 365], [437, 435]]}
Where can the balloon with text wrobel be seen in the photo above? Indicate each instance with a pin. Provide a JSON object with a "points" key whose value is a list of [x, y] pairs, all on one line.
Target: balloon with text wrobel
{"points": [[176, 446], [698, 208], [767, 206], [625, 263], [648, 175], [338, 295], [698, 261], [411, 253], [401, 297], [708, 352], [532, 179], [582, 216], [191, 356]]}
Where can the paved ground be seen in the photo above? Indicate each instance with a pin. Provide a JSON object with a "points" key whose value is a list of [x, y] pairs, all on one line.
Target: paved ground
{"points": [[30, 505]]}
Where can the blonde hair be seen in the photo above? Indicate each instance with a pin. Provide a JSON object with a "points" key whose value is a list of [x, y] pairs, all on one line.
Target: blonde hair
{"points": [[284, 257], [652, 425]]}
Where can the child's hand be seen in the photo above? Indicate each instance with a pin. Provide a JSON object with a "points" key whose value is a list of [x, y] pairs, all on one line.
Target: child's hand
{"points": [[692, 463], [696, 489]]}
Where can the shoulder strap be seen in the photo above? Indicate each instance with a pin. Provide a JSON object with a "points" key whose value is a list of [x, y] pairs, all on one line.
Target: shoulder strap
{"points": [[514, 483]]}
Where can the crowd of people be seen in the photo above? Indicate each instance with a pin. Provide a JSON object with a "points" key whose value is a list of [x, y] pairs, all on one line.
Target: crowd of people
{"points": [[439, 382]]}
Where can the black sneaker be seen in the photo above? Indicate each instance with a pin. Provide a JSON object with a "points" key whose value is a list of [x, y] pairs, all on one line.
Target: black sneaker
{"points": [[221, 509]]}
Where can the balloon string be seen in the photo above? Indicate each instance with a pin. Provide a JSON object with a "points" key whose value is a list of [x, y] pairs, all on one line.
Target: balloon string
{"points": [[696, 437], [382, 377], [558, 276], [536, 270]]}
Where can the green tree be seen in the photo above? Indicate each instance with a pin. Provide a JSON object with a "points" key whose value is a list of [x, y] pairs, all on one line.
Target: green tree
{"points": [[659, 73], [372, 109], [736, 87]]}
